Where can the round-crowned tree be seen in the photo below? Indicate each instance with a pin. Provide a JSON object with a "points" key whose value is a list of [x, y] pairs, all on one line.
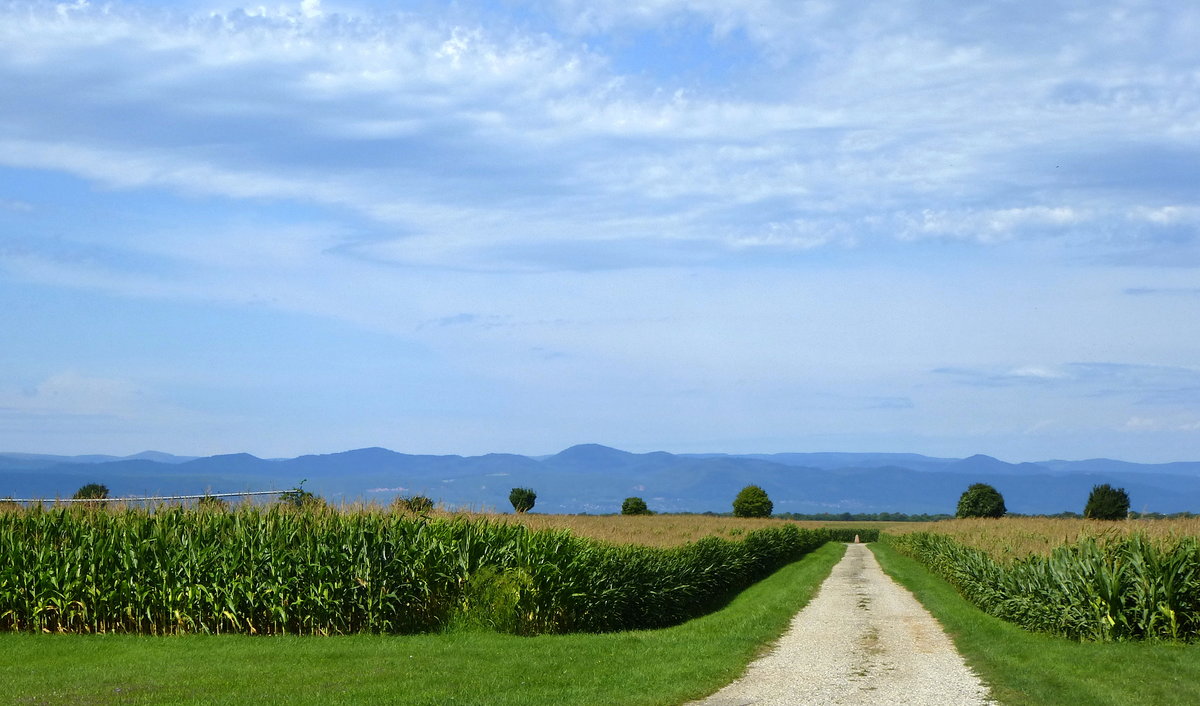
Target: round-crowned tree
{"points": [[752, 501], [981, 500], [1107, 503], [522, 499], [634, 506], [91, 491]]}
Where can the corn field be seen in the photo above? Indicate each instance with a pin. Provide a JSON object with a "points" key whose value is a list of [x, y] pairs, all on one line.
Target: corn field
{"points": [[1105, 589], [274, 570], [1014, 537]]}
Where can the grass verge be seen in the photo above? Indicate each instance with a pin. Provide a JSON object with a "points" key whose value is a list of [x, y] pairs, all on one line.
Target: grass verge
{"points": [[667, 666], [1030, 668]]}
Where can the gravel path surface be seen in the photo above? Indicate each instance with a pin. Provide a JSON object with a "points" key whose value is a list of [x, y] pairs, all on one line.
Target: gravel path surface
{"points": [[862, 640]]}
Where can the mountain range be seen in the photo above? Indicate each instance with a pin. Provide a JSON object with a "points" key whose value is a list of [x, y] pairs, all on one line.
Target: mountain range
{"points": [[595, 479]]}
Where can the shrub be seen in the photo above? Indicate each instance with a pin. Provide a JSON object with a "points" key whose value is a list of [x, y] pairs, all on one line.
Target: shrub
{"points": [[752, 501], [981, 500], [522, 499], [1107, 503], [635, 506], [91, 491], [300, 499], [416, 504], [209, 502]]}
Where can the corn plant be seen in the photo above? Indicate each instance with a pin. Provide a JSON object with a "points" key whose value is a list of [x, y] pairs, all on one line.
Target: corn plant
{"points": [[1117, 588], [310, 569]]}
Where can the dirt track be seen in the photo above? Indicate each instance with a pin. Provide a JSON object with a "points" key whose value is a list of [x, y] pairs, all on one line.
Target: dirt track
{"points": [[862, 640]]}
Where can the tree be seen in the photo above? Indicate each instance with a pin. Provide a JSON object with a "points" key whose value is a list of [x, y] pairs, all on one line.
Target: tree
{"points": [[752, 501], [634, 506], [522, 499], [417, 504], [1107, 503], [300, 499], [981, 500], [91, 491]]}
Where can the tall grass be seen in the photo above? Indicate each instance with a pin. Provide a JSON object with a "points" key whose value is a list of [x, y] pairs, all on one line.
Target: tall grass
{"points": [[271, 570], [1114, 588]]}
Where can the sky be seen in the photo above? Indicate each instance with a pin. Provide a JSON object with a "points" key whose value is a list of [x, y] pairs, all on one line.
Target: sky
{"points": [[683, 225]]}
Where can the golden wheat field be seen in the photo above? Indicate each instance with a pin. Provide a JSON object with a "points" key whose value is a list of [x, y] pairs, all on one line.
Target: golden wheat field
{"points": [[655, 530], [1012, 537]]}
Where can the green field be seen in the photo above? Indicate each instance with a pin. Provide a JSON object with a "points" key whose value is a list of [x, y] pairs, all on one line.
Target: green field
{"points": [[667, 666]]}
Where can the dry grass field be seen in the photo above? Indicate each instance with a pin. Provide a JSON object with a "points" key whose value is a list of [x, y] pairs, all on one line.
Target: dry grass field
{"points": [[1012, 537], [656, 530]]}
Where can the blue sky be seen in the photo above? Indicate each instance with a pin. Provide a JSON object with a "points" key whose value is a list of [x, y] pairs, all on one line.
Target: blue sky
{"points": [[687, 225]]}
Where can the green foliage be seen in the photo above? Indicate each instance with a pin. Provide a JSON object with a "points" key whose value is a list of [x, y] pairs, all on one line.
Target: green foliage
{"points": [[91, 491], [300, 499], [278, 569], [635, 506], [212, 503], [752, 501], [1037, 669], [1119, 589], [672, 666], [861, 516], [416, 504], [522, 499], [981, 500], [1107, 503]]}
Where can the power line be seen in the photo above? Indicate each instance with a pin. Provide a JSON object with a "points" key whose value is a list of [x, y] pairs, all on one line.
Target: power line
{"points": [[144, 498]]}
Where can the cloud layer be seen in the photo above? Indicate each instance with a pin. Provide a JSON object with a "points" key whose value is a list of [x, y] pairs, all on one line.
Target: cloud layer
{"points": [[804, 223]]}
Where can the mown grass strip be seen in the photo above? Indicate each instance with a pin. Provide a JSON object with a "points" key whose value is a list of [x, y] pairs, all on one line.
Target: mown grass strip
{"points": [[1032, 668], [668, 666]]}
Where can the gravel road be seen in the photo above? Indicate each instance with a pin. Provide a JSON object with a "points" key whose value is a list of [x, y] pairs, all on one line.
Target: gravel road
{"points": [[862, 640]]}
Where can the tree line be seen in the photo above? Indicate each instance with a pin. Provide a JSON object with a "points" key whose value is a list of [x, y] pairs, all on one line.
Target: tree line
{"points": [[978, 500]]}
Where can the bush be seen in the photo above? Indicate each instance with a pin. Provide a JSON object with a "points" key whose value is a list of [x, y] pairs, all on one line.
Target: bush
{"points": [[416, 504], [981, 500], [752, 501], [209, 502], [91, 491], [300, 499], [522, 499], [635, 506], [1107, 503]]}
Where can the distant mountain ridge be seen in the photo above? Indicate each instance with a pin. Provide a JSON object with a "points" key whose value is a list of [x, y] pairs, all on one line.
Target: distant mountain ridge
{"points": [[595, 478]]}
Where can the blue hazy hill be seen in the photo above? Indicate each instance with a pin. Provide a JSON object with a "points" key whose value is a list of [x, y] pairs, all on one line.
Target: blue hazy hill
{"points": [[595, 478]]}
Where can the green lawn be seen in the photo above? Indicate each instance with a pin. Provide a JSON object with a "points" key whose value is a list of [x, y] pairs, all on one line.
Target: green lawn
{"points": [[645, 667], [1029, 668]]}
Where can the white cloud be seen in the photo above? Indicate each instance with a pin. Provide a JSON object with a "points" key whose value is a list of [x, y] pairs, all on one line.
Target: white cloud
{"points": [[71, 393]]}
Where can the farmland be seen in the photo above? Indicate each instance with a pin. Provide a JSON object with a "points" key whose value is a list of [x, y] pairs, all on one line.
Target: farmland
{"points": [[470, 659], [668, 530], [274, 570], [1081, 579], [658, 667], [1016, 537]]}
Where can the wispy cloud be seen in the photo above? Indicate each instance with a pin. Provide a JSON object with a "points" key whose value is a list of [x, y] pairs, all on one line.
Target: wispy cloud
{"points": [[477, 142], [1144, 383], [789, 212]]}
